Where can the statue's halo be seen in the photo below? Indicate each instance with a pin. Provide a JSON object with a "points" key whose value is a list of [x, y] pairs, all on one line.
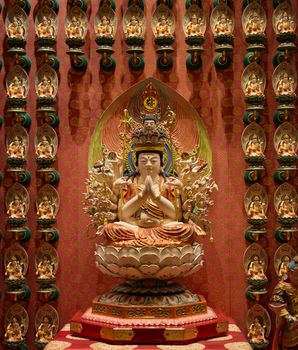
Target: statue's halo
{"points": [[188, 132]]}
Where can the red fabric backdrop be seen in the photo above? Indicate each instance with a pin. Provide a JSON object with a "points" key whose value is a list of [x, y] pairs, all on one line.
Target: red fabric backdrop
{"points": [[218, 97]]}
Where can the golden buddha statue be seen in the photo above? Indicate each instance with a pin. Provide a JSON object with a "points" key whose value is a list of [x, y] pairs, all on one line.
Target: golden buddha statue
{"points": [[253, 86], [256, 208], [46, 28], [283, 267], [44, 148], [163, 26], [45, 268], [284, 304], [45, 87], [286, 207], [223, 25], [14, 269], [75, 28], [285, 24], [195, 26], [134, 27], [255, 24], [16, 148], [16, 88], [256, 269], [16, 29], [254, 146], [149, 205], [285, 85], [256, 332], [286, 146], [45, 331], [104, 27], [14, 331], [46, 209], [16, 208]]}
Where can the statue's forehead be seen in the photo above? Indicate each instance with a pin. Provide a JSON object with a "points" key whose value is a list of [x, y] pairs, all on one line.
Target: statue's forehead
{"points": [[148, 155]]}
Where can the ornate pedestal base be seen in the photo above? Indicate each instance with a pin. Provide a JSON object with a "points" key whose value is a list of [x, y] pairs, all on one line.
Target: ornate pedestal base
{"points": [[149, 312]]}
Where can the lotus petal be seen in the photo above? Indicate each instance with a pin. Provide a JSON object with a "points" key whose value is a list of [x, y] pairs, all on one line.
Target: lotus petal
{"points": [[193, 270], [198, 249], [170, 261], [128, 261], [152, 250], [170, 251], [111, 257], [106, 271], [100, 249], [168, 272], [100, 259], [149, 255], [130, 273], [125, 251], [149, 270], [113, 268], [186, 267], [187, 257], [187, 249], [199, 259]]}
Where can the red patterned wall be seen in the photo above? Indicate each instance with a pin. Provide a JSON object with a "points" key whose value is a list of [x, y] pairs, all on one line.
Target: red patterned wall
{"points": [[218, 97]]}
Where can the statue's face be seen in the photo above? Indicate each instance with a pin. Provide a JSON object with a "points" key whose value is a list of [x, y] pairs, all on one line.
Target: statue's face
{"points": [[286, 259], [44, 140], [286, 138], [149, 124], [253, 79], [149, 163], [256, 258], [134, 20], [104, 20], [194, 19]]}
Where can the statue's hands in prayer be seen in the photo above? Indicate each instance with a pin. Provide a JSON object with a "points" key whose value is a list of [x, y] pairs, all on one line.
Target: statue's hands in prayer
{"points": [[145, 190], [153, 189]]}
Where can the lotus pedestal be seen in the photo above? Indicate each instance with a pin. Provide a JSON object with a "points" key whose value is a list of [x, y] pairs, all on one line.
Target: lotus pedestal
{"points": [[149, 308]]}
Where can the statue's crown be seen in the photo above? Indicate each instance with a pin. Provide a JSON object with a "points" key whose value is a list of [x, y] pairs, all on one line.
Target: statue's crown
{"points": [[149, 136]]}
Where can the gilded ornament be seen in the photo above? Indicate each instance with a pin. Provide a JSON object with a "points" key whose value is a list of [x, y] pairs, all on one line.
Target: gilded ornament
{"points": [[47, 204], [46, 264], [282, 258], [46, 143], [255, 264], [254, 24], [16, 26], [16, 323], [258, 326], [16, 264], [76, 27], [46, 324], [17, 204]]}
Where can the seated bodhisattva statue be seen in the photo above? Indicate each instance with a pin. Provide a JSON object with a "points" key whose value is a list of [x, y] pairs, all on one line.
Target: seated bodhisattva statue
{"points": [[147, 203]]}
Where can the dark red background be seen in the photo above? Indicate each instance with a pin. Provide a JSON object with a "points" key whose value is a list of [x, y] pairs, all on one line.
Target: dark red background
{"points": [[217, 96]]}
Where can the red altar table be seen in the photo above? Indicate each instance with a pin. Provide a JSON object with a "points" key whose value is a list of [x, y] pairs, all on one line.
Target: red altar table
{"points": [[235, 340]]}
